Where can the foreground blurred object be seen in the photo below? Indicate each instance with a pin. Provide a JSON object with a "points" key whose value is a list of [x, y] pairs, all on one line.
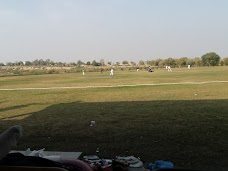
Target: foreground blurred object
{"points": [[9, 139], [160, 164], [20, 160]]}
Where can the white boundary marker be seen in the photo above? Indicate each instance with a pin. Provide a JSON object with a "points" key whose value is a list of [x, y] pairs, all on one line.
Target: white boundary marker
{"points": [[112, 86]]}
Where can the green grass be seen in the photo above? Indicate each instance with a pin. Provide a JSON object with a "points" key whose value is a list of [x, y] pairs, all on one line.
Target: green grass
{"points": [[120, 77], [186, 124]]}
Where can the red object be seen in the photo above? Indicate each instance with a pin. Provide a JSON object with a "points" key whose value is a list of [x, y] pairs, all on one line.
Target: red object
{"points": [[77, 164]]}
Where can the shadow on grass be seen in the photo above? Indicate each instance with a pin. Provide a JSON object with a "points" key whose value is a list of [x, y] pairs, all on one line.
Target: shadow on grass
{"points": [[191, 134], [15, 107]]}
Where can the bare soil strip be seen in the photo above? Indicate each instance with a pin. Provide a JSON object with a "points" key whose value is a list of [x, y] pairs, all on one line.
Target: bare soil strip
{"points": [[113, 86]]}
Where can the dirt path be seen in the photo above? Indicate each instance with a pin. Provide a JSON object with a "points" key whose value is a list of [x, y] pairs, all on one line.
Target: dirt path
{"points": [[124, 85]]}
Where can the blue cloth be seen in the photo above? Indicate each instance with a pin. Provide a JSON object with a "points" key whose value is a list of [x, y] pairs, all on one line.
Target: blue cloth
{"points": [[159, 164]]}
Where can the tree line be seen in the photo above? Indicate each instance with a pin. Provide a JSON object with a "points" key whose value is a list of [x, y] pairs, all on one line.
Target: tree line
{"points": [[208, 59]]}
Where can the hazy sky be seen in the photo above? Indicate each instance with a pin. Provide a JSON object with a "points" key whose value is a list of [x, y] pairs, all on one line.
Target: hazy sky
{"points": [[113, 30]]}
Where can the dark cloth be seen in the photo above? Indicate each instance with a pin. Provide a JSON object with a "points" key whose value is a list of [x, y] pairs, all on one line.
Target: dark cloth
{"points": [[18, 159]]}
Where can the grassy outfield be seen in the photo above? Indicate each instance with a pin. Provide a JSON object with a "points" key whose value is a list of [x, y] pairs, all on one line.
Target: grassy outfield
{"points": [[120, 77], [186, 124]]}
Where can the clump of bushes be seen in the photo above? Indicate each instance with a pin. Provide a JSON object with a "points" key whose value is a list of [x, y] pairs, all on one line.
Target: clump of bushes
{"points": [[52, 71]]}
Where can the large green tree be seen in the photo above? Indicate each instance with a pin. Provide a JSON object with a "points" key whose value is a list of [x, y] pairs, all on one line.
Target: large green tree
{"points": [[94, 63], [197, 61], [141, 62], [182, 61], [170, 62], [225, 60], [210, 59], [125, 63], [79, 63]]}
